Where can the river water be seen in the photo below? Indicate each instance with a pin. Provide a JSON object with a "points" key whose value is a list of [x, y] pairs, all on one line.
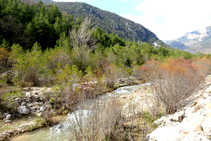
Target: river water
{"points": [[61, 132]]}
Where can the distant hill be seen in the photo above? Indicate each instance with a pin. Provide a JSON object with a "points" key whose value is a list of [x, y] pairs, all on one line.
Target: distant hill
{"points": [[176, 44], [45, 1], [195, 41], [110, 22]]}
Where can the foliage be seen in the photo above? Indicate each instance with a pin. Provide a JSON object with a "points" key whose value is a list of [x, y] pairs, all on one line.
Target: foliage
{"points": [[25, 23]]}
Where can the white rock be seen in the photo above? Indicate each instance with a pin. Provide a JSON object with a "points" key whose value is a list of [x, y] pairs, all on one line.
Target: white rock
{"points": [[8, 117], [17, 99], [164, 134], [206, 125], [185, 120], [208, 89], [39, 114], [176, 116], [36, 96], [202, 102], [8, 121], [161, 120], [195, 136], [23, 104], [23, 110], [42, 109], [208, 99], [26, 124], [28, 94], [192, 124], [206, 94]]}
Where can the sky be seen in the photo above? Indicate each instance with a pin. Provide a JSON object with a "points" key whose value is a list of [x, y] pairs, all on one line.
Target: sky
{"points": [[168, 19]]}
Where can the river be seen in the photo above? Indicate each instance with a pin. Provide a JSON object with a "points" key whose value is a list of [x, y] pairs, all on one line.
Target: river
{"points": [[60, 132]]}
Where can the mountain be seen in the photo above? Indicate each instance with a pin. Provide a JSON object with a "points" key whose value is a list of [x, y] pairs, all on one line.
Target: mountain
{"points": [[110, 22], [45, 1], [195, 41]]}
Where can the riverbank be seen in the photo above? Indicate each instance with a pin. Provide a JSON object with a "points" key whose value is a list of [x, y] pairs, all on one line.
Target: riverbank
{"points": [[125, 95], [31, 107]]}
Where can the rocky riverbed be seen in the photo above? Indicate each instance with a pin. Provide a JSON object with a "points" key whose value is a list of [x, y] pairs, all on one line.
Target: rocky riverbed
{"points": [[192, 122], [30, 109], [128, 94], [29, 116]]}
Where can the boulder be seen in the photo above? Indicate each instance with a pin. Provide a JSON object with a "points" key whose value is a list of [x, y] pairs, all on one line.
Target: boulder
{"points": [[161, 120], [8, 121], [208, 89], [176, 116], [193, 123], [195, 136], [39, 114], [17, 99], [23, 110], [163, 134], [42, 109], [23, 104], [28, 94], [36, 96], [8, 117], [206, 94], [198, 128]]}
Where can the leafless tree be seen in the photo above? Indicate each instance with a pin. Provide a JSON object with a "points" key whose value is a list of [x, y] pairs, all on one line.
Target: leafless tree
{"points": [[83, 41]]}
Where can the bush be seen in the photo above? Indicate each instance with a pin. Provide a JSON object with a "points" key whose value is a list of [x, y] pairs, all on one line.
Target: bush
{"points": [[205, 63], [173, 81], [96, 122]]}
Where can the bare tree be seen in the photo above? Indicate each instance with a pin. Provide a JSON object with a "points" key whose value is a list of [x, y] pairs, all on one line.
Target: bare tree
{"points": [[83, 41]]}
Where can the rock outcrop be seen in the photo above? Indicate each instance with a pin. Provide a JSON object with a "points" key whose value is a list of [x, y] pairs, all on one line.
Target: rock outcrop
{"points": [[192, 123]]}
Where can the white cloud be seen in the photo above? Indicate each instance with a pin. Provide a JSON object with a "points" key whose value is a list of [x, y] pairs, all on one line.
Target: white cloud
{"points": [[170, 19]]}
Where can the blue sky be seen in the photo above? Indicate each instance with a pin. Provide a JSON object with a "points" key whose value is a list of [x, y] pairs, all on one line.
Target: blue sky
{"points": [[120, 7], [168, 19]]}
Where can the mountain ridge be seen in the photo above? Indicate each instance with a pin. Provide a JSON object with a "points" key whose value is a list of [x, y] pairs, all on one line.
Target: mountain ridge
{"points": [[198, 41], [110, 22]]}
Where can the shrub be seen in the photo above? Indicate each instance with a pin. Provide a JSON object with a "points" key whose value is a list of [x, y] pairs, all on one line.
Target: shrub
{"points": [[6, 74], [96, 122], [205, 63], [173, 81]]}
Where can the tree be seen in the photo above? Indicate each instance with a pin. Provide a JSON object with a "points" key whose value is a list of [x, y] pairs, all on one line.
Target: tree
{"points": [[83, 42]]}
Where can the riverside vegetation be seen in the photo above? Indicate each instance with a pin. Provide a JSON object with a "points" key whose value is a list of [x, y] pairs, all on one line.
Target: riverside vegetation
{"points": [[40, 46]]}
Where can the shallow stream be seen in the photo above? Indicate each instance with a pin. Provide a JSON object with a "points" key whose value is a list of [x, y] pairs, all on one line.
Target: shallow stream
{"points": [[61, 132]]}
